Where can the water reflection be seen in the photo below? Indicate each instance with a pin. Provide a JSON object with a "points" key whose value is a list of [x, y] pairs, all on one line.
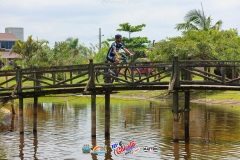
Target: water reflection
{"points": [[64, 129], [35, 144], [21, 146]]}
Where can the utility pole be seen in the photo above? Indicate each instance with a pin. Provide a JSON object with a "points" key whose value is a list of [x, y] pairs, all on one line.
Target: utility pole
{"points": [[100, 38]]}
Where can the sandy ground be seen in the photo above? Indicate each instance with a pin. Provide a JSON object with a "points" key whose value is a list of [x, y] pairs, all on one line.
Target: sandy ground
{"points": [[199, 100]]}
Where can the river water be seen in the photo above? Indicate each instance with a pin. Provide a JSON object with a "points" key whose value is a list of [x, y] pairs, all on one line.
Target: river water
{"points": [[63, 129]]}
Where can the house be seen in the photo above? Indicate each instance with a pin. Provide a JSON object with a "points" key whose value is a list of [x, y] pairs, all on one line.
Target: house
{"points": [[7, 41]]}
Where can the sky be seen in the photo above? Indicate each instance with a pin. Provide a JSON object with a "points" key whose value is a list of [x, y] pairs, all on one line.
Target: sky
{"points": [[56, 20]]}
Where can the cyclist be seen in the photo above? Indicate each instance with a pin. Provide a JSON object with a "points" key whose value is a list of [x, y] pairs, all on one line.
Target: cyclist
{"points": [[112, 54]]}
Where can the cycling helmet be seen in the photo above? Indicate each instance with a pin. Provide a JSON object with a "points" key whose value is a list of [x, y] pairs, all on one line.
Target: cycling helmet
{"points": [[118, 36]]}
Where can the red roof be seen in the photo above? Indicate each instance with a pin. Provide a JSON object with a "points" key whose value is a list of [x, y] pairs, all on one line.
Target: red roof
{"points": [[7, 37], [6, 54]]}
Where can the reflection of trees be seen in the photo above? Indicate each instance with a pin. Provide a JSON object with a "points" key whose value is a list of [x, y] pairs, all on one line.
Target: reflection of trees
{"points": [[213, 123]]}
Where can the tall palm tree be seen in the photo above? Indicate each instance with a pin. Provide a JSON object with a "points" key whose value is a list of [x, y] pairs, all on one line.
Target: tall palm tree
{"points": [[196, 20]]}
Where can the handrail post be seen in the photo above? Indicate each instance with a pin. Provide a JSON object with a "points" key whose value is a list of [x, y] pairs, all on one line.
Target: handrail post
{"points": [[147, 71], [91, 74], [176, 72], [19, 79], [223, 74], [175, 108], [36, 77], [187, 105], [188, 74], [132, 72], [233, 71], [19, 91]]}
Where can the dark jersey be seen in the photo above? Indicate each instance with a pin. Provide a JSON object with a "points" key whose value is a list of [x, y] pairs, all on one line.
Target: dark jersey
{"points": [[116, 46]]}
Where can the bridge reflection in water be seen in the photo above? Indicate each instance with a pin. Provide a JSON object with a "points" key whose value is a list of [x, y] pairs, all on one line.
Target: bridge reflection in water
{"points": [[64, 128]]}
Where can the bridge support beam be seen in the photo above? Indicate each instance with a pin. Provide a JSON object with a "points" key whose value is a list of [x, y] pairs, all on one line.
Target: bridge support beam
{"points": [[186, 115], [21, 120], [175, 115], [107, 114], [93, 114], [35, 108]]}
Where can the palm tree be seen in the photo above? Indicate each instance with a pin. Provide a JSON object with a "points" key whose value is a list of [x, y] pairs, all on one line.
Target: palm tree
{"points": [[28, 49], [196, 20]]}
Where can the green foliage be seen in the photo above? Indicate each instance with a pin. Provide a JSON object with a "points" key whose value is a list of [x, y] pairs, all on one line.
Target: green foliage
{"points": [[136, 44], [38, 53], [196, 20], [211, 44], [130, 29], [28, 49], [100, 56]]}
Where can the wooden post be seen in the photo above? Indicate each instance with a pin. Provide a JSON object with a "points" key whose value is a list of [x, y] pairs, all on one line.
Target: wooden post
{"points": [[176, 72], [175, 99], [175, 116], [91, 74], [71, 74], [19, 79], [54, 78], [223, 74], [233, 71], [108, 155], [93, 96], [147, 72], [13, 123], [93, 114], [132, 72], [186, 115], [21, 124], [94, 143], [35, 114], [107, 114], [12, 106], [21, 146], [35, 144], [187, 106], [107, 79], [176, 150], [36, 83]]}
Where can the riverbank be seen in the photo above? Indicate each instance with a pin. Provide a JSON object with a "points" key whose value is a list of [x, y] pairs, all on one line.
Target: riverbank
{"points": [[209, 97]]}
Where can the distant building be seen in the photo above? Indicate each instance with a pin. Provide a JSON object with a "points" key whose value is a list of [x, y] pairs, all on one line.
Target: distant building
{"points": [[7, 41], [18, 32]]}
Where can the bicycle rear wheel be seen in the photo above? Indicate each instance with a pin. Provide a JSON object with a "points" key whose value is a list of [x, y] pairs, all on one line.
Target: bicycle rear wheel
{"points": [[132, 75]]}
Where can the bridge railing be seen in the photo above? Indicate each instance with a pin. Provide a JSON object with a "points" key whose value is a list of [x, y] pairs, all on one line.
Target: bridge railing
{"points": [[44, 78], [204, 72], [133, 74]]}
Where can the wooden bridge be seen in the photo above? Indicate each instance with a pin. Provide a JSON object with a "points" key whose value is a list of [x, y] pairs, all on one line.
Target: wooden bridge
{"points": [[104, 78], [176, 75]]}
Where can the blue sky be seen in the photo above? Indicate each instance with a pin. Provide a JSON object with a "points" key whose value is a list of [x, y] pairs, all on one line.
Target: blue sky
{"points": [[56, 20]]}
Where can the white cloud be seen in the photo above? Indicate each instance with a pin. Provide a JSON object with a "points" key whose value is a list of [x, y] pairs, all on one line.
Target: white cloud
{"points": [[56, 20]]}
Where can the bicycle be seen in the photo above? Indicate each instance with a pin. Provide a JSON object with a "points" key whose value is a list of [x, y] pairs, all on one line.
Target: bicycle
{"points": [[122, 70]]}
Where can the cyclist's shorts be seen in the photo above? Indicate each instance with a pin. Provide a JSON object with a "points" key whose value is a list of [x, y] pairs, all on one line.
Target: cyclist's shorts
{"points": [[111, 59]]}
